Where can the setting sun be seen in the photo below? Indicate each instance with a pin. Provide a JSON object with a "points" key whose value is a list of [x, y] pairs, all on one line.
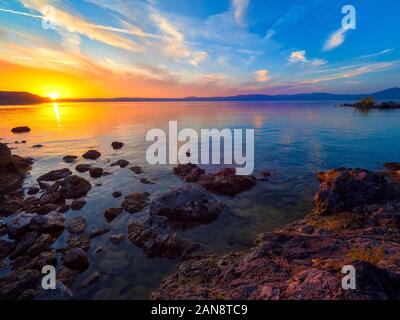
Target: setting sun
{"points": [[53, 95]]}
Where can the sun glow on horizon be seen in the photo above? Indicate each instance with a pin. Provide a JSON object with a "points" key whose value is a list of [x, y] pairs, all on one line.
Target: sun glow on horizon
{"points": [[53, 95]]}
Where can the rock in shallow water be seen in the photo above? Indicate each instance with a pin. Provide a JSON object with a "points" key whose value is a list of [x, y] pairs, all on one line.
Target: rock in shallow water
{"points": [[70, 159], [187, 203], [91, 154], [74, 187], [23, 129], [117, 145], [75, 259], [95, 172], [55, 175], [81, 168], [136, 202]]}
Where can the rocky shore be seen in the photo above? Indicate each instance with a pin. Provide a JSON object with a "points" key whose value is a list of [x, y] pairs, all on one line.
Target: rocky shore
{"points": [[356, 221]]}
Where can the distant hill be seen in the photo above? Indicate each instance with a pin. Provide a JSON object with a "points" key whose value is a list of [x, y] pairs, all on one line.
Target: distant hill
{"points": [[15, 98], [389, 94], [19, 98]]}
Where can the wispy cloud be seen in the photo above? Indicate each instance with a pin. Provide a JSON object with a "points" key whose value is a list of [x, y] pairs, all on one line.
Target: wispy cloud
{"points": [[199, 57], [336, 39], [262, 75], [372, 55], [240, 8], [297, 56]]}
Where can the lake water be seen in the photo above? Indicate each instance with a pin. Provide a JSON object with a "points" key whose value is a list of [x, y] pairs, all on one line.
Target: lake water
{"points": [[293, 140]]}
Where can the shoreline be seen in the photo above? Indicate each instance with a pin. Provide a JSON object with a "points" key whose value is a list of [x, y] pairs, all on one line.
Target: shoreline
{"points": [[304, 259]]}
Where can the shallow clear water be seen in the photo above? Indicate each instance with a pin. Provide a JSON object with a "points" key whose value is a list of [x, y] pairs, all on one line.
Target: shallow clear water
{"points": [[294, 140]]}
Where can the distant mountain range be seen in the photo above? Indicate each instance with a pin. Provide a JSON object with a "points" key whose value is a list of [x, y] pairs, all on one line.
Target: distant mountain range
{"points": [[17, 98]]}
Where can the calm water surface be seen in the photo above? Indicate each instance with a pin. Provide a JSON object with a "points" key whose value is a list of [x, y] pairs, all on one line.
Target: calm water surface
{"points": [[294, 140]]}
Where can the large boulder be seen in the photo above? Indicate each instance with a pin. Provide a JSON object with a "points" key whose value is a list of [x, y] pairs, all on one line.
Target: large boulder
{"points": [[18, 225], [344, 189], [75, 259], [74, 187], [187, 203]]}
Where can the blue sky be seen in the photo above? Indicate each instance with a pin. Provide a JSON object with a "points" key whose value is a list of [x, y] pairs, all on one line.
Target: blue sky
{"points": [[208, 47]]}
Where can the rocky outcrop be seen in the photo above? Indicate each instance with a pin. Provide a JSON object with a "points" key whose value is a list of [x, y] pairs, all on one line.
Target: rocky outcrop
{"points": [[188, 172], [304, 260], [344, 189], [187, 203], [74, 187], [13, 169]]}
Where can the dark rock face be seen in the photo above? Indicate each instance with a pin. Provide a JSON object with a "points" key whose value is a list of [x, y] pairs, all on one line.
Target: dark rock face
{"points": [[188, 172], [91, 154], [55, 175], [21, 129], [187, 203], [13, 169], [156, 242], [136, 202], [70, 159], [121, 163], [344, 189], [95, 172], [6, 247], [33, 190], [226, 182], [74, 187], [395, 166], [81, 168], [75, 259], [117, 145], [111, 213]]}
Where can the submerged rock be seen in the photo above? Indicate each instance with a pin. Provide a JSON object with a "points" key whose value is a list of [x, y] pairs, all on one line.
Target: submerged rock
{"points": [[112, 213], [226, 182], [136, 202], [188, 172], [188, 203], [77, 225], [75, 259], [50, 223], [157, 242], [91, 154], [116, 238], [77, 204], [70, 159]]}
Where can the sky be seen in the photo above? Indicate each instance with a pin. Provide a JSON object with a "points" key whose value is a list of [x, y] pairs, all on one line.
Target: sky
{"points": [[181, 48]]}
